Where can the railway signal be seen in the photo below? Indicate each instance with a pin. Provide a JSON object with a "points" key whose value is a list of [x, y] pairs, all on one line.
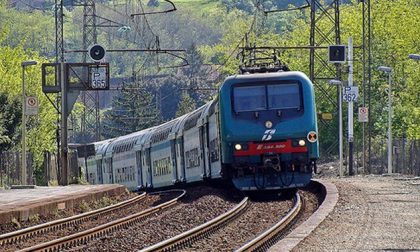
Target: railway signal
{"points": [[97, 52], [337, 54]]}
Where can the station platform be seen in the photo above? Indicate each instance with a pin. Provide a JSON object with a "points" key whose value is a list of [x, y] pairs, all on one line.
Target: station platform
{"points": [[371, 213], [22, 203]]}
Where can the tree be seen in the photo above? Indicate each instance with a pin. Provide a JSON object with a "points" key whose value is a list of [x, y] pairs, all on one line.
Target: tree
{"points": [[185, 105], [132, 110], [10, 118], [153, 3], [4, 138]]}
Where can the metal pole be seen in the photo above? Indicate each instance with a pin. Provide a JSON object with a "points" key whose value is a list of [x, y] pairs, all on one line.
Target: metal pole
{"points": [[364, 83], [350, 107], [340, 128], [64, 162], [23, 165], [389, 124], [369, 83]]}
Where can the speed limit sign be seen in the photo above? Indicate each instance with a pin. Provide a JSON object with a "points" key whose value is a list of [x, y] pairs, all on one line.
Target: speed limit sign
{"points": [[31, 105]]}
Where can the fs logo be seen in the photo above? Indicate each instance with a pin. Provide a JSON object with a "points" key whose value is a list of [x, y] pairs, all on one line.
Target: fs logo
{"points": [[268, 134]]}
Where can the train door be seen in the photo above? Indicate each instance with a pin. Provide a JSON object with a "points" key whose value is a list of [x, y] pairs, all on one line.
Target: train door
{"points": [[192, 154], [108, 177], [214, 145], [203, 155], [149, 168], [139, 168], [207, 150], [181, 159], [174, 160], [99, 170]]}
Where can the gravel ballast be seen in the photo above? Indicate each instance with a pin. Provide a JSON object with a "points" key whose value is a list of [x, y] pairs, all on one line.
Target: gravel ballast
{"points": [[200, 205], [92, 222], [256, 218], [83, 207]]}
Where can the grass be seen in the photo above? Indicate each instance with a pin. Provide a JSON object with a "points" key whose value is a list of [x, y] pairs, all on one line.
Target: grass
{"points": [[84, 206], [34, 218], [16, 223], [200, 6]]}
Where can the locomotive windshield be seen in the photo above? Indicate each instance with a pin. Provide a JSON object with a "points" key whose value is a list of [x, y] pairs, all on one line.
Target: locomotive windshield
{"points": [[267, 97], [249, 98]]}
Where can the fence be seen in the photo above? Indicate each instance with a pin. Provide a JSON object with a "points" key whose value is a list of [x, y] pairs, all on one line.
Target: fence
{"points": [[50, 174], [11, 169], [406, 156], [53, 174], [405, 159]]}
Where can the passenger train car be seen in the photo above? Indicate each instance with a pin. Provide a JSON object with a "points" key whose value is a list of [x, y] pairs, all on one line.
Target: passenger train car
{"points": [[260, 133]]}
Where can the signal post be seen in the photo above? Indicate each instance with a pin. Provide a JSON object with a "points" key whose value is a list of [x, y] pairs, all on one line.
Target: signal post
{"points": [[69, 79]]}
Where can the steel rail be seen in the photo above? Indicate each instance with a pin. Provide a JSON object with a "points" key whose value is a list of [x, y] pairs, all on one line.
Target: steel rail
{"points": [[264, 238], [178, 241], [99, 231], [23, 234]]}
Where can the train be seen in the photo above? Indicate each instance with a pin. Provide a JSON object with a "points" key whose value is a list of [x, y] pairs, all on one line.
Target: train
{"points": [[259, 133]]}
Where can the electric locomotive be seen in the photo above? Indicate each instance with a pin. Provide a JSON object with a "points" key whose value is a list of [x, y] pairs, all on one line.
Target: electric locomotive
{"points": [[268, 130], [260, 133]]}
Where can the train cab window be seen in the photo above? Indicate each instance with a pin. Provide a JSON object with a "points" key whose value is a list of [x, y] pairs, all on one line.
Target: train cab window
{"points": [[285, 96], [265, 98], [249, 98]]}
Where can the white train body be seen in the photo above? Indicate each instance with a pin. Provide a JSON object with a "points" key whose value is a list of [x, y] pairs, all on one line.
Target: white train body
{"points": [[183, 150]]}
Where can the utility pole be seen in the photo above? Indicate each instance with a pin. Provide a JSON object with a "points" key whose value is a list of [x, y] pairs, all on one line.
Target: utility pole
{"points": [[338, 83], [325, 30], [24, 163], [350, 107], [388, 71], [389, 124], [63, 92], [64, 149]]}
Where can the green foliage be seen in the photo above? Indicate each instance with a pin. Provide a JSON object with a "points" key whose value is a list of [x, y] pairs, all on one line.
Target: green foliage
{"points": [[34, 218], [186, 104], [132, 110], [20, 34], [395, 35], [35, 31], [4, 138], [16, 223], [10, 116], [85, 207]]}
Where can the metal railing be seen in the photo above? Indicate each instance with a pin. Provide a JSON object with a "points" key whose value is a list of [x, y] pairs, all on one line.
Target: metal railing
{"points": [[11, 169]]}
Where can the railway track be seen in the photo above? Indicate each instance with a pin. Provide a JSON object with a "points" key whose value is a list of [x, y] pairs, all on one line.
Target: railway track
{"points": [[264, 240], [30, 232], [184, 238], [87, 235], [182, 241]]}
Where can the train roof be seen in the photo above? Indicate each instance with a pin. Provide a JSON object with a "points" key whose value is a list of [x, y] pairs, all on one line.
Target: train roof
{"points": [[269, 75], [100, 147]]}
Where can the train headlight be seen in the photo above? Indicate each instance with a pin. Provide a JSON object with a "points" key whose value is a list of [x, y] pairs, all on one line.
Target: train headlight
{"points": [[302, 142], [238, 147], [268, 124]]}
